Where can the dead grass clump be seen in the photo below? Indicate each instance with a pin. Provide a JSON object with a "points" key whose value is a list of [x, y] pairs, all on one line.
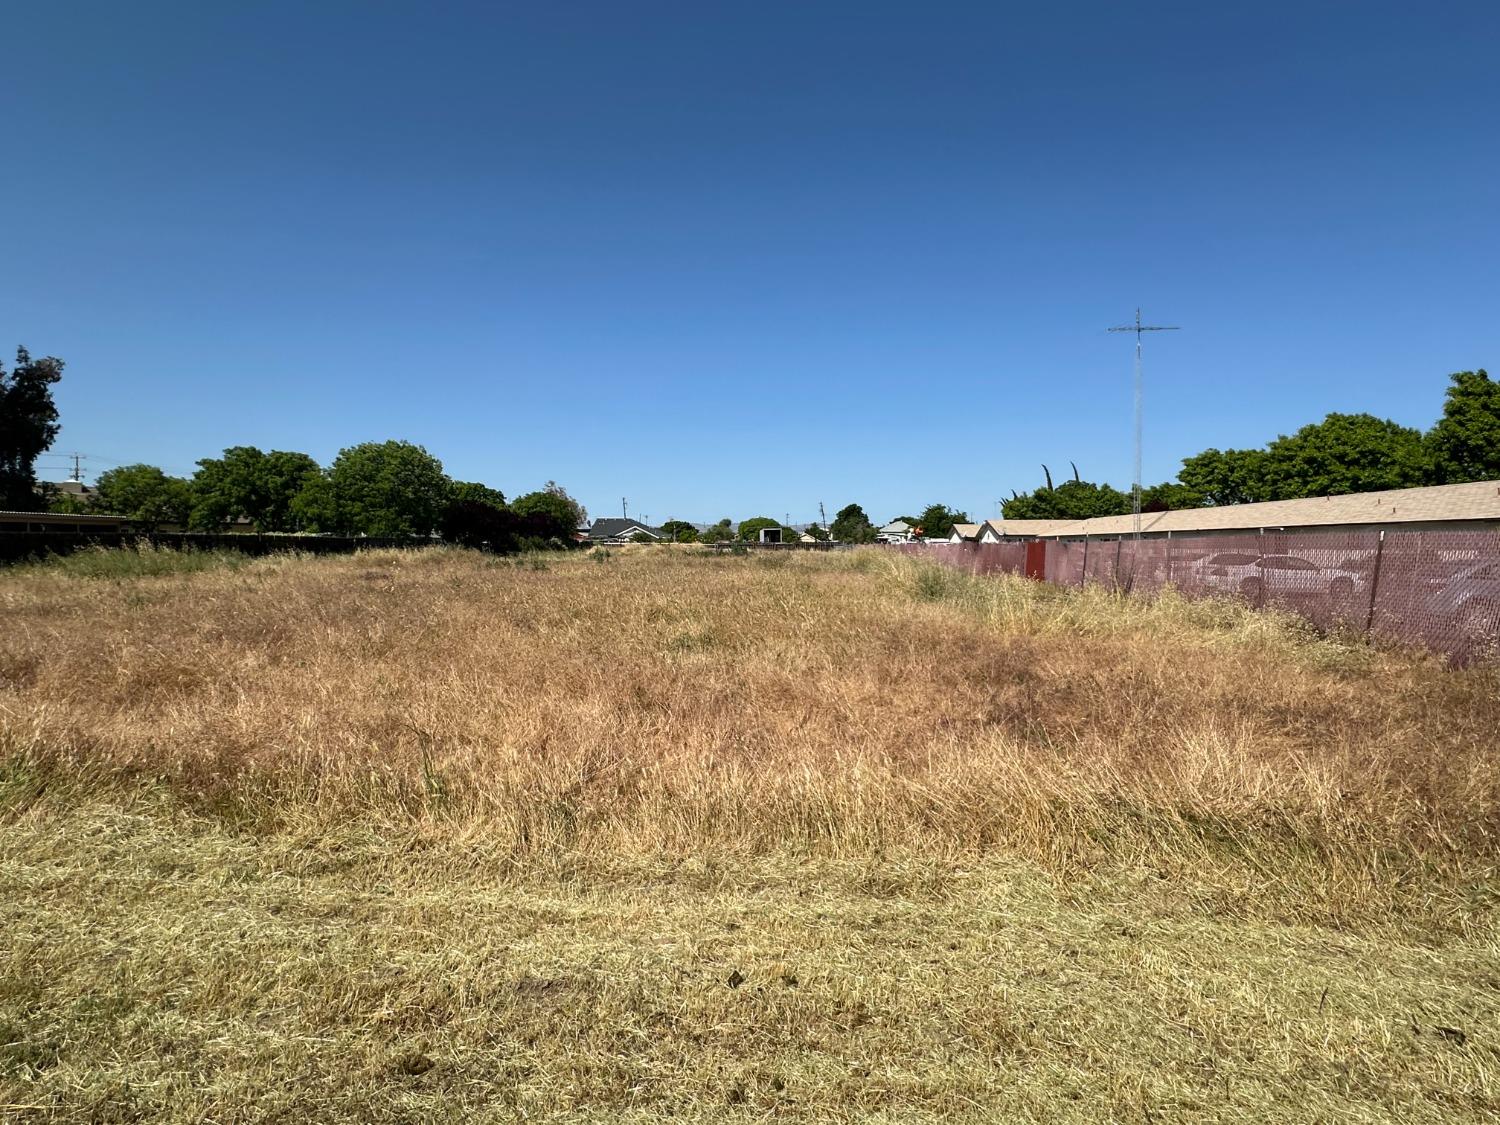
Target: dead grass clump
{"points": [[675, 701], [431, 836]]}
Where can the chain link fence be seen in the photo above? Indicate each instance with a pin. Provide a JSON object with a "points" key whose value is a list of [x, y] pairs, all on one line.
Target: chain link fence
{"points": [[1440, 589]]}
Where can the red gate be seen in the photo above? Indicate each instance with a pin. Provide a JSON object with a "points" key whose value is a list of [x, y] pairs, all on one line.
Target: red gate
{"points": [[1036, 560]]}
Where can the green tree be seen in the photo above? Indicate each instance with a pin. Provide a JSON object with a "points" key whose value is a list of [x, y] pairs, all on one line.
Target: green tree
{"points": [[1346, 453], [1465, 443], [1170, 496], [1072, 500], [474, 493], [476, 515], [1230, 476], [818, 532], [721, 532], [750, 529], [314, 508], [851, 525], [391, 488], [144, 495], [247, 483], [28, 426], [679, 531], [66, 503], [551, 513], [937, 520]]}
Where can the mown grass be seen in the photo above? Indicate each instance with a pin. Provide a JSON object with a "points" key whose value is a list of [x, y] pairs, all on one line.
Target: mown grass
{"points": [[413, 836]]}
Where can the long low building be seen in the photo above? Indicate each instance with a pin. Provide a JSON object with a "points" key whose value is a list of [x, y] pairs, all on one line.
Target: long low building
{"points": [[59, 521], [1442, 507]]}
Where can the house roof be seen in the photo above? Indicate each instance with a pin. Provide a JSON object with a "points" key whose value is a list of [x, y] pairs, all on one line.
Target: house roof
{"points": [[1478, 500], [615, 528], [1026, 527], [967, 530], [896, 527]]}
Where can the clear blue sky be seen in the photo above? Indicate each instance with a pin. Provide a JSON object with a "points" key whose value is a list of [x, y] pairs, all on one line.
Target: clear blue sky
{"points": [[732, 259]]}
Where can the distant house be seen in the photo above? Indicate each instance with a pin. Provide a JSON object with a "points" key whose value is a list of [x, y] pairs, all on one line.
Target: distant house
{"points": [[965, 533], [614, 531], [1019, 531], [897, 531]]}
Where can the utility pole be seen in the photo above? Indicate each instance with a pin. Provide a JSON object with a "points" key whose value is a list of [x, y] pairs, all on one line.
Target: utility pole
{"points": [[1138, 328], [823, 517], [77, 467], [624, 512]]}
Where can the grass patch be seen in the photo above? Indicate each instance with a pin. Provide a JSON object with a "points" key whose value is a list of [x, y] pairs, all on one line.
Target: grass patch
{"points": [[411, 836], [143, 560]]}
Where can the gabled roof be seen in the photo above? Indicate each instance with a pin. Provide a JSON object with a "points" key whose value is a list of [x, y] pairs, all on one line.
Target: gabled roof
{"points": [[1478, 500], [896, 527], [1026, 527], [618, 528], [968, 530]]}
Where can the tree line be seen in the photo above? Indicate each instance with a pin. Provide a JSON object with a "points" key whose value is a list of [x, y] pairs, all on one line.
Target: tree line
{"points": [[850, 525], [389, 489], [1343, 453]]}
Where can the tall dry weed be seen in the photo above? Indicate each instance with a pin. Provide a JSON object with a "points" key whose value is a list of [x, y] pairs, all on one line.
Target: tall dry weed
{"points": [[673, 701]]}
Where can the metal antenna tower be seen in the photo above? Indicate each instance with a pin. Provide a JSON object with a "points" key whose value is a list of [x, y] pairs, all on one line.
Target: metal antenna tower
{"points": [[1138, 328]]}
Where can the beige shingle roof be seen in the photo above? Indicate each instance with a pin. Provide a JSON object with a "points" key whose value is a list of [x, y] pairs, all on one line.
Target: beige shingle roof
{"points": [[967, 530], [1027, 527], [1479, 500]]}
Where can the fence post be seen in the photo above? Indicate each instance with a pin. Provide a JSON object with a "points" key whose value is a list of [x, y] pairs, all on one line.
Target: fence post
{"points": [[1083, 571], [1119, 545], [1375, 582], [1169, 558]]}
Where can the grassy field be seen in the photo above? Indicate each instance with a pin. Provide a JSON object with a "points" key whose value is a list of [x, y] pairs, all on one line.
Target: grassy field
{"points": [[437, 837]]}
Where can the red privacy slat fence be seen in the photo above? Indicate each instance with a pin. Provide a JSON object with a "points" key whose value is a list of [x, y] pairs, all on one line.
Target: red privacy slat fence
{"points": [[1436, 588]]}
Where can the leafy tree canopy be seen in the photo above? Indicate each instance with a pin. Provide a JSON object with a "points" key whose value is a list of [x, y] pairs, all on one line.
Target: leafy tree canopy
{"points": [[1346, 453], [247, 483], [680, 531], [1465, 443], [851, 525], [143, 494], [68, 503], [1071, 500], [553, 501], [721, 532], [937, 520], [552, 512], [473, 492], [1170, 496], [390, 488], [28, 426], [1230, 476]]}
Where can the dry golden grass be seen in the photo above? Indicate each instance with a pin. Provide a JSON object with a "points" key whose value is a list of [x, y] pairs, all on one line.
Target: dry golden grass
{"points": [[429, 836]]}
